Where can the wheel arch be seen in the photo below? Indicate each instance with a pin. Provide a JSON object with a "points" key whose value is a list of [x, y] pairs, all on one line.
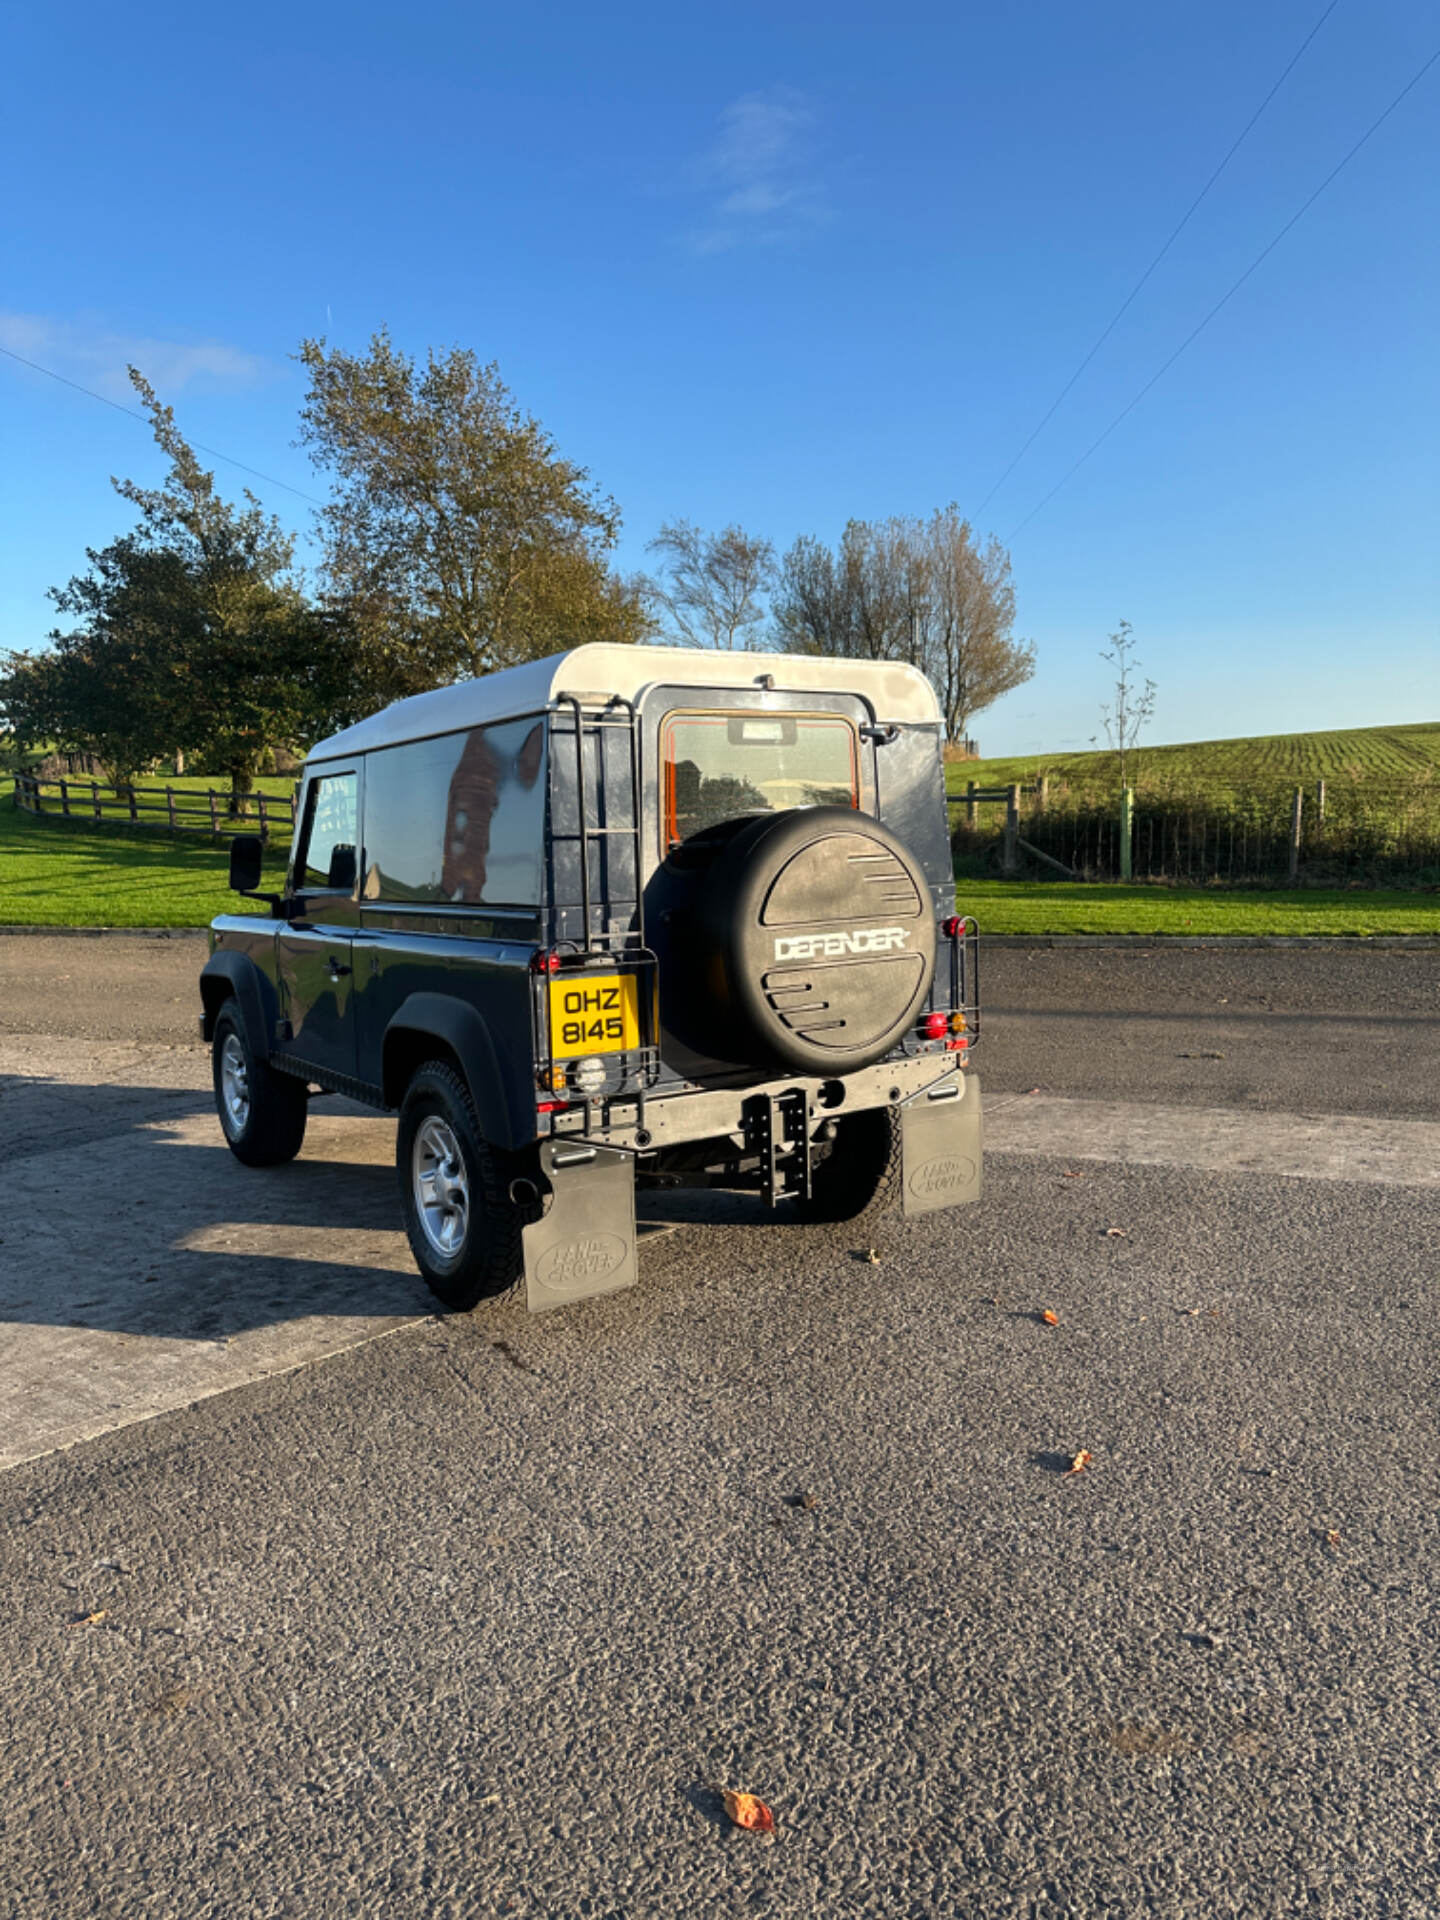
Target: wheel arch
{"points": [[428, 1026], [235, 976]]}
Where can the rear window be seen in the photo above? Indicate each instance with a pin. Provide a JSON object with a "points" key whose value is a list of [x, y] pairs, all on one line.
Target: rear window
{"points": [[718, 765]]}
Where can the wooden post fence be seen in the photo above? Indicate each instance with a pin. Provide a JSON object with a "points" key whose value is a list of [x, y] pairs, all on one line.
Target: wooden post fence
{"points": [[1296, 814], [1127, 818], [970, 804], [1010, 858]]}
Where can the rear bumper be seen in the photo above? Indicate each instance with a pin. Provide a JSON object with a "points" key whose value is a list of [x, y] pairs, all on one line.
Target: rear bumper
{"points": [[642, 1126]]}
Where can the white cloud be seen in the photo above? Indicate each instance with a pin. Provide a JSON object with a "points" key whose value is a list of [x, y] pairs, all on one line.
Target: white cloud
{"points": [[760, 174], [86, 351]]}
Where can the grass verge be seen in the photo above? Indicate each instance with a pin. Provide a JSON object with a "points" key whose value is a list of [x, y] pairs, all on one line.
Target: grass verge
{"points": [[1017, 906], [65, 874]]}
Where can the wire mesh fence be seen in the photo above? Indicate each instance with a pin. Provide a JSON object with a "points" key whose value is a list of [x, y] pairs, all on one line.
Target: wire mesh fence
{"points": [[1354, 834]]}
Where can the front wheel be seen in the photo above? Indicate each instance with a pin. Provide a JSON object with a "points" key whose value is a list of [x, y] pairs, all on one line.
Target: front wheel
{"points": [[262, 1112], [859, 1178], [462, 1225]]}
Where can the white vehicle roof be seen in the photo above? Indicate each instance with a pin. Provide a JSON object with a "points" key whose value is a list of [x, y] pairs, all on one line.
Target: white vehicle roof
{"points": [[604, 671]]}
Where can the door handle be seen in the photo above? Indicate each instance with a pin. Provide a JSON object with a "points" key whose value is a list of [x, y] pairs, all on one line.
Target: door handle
{"points": [[335, 968]]}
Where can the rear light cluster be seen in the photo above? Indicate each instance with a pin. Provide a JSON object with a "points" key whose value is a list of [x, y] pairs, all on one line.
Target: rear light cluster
{"points": [[953, 927], [544, 961]]}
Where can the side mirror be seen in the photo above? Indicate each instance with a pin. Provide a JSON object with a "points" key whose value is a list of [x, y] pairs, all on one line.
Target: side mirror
{"points": [[246, 856]]}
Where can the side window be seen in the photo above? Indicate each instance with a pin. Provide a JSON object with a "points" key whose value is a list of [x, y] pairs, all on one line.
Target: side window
{"points": [[330, 835], [460, 818]]}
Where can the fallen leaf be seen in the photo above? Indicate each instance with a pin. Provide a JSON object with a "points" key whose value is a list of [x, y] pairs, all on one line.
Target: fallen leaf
{"points": [[1080, 1462], [872, 1257], [1332, 1538], [1147, 1743], [1114, 1233], [1050, 1317], [1072, 1176], [745, 1810], [92, 1619]]}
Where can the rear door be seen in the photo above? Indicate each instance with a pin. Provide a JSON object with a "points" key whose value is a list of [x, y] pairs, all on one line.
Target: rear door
{"points": [[316, 946]]}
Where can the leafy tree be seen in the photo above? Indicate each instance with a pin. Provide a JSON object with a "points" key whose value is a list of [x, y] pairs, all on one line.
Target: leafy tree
{"points": [[459, 539], [922, 591], [191, 633], [712, 584]]}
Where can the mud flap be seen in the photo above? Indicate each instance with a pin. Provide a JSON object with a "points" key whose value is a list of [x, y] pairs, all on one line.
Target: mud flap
{"points": [[941, 1141], [585, 1242]]}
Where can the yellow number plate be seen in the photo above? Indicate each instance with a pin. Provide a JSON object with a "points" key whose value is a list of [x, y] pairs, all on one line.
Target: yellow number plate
{"points": [[594, 1013]]}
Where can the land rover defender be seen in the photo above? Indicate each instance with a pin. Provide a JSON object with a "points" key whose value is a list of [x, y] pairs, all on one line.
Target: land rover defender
{"points": [[627, 916]]}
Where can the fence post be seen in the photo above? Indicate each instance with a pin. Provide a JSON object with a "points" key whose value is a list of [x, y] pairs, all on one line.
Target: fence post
{"points": [[1042, 792], [970, 804], [214, 816], [1127, 817], [134, 804], [264, 828], [1296, 811], [170, 804], [1319, 803], [1010, 859], [95, 798], [65, 798]]}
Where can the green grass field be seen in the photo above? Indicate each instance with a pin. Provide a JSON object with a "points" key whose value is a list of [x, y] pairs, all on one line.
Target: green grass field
{"points": [[66, 874], [1378, 756]]}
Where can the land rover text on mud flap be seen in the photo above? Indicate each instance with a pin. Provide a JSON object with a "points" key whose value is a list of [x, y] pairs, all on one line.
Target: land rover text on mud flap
{"points": [[626, 916]]}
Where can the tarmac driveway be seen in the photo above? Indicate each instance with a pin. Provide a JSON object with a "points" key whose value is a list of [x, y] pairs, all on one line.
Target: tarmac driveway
{"points": [[477, 1618]]}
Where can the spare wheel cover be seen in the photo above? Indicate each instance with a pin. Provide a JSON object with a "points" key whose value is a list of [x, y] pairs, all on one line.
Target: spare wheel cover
{"points": [[828, 931]]}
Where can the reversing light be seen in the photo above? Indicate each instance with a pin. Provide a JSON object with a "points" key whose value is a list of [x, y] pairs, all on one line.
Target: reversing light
{"points": [[544, 961], [935, 1026], [588, 1074]]}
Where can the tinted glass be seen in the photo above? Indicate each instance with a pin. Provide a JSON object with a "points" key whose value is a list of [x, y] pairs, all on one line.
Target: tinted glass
{"points": [[331, 834], [459, 819], [718, 765]]}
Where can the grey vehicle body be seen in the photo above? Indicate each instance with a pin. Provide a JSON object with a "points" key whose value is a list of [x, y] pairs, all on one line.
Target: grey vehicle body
{"points": [[520, 876]]}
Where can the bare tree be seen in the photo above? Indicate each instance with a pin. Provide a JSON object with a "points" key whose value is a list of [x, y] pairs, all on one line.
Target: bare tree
{"points": [[970, 653], [713, 584], [1131, 706], [922, 591]]}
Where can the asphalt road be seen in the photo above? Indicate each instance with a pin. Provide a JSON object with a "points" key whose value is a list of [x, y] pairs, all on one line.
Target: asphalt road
{"points": [[476, 1618]]}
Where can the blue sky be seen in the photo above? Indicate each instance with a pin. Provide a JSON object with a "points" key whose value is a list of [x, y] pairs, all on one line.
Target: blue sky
{"points": [[784, 266]]}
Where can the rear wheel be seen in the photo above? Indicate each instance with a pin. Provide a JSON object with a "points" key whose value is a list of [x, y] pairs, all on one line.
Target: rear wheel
{"points": [[859, 1178], [262, 1112], [462, 1225]]}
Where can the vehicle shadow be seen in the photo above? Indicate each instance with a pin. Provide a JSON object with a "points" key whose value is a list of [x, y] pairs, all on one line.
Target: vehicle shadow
{"points": [[126, 1213]]}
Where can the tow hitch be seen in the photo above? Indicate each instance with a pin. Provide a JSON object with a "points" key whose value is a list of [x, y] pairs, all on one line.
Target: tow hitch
{"points": [[777, 1132]]}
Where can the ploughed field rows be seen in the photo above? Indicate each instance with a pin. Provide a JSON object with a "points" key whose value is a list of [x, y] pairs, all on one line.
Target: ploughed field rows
{"points": [[1374, 756]]}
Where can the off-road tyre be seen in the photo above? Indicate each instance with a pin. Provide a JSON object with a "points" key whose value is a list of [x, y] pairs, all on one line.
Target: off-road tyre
{"points": [[262, 1111], [487, 1259], [861, 1175]]}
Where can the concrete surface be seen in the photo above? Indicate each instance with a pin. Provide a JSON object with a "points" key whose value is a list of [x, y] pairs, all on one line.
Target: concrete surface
{"points": [[475, 1619]]}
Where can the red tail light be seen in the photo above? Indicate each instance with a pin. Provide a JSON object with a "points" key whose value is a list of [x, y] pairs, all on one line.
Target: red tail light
{"points": [[935, 1026], [543, 961], [551, 1106], [953, 927]]}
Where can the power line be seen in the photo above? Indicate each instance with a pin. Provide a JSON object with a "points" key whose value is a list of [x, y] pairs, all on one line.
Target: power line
{"points": [[1126, 303], [214, 452], [1225, 298]]}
